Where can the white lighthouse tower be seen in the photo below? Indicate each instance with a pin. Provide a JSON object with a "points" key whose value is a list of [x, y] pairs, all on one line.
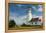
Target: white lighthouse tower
{"points": [[29, 14]]}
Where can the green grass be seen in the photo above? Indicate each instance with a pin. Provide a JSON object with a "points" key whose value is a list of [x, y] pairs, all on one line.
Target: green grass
{"points": [[26, 27]]}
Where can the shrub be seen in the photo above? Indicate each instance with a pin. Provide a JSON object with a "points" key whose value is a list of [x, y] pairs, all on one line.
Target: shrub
{"points": [[11, 23]]}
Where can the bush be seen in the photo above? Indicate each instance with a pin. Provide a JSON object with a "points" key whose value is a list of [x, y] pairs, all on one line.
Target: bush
{"points": [[11, 23], [24, 25]]}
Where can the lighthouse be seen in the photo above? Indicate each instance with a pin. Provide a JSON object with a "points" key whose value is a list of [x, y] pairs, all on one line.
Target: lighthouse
{"points": [[29, 14]]}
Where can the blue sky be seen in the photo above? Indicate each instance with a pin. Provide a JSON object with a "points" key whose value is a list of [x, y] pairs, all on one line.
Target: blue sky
{"points": [[19, 11]]}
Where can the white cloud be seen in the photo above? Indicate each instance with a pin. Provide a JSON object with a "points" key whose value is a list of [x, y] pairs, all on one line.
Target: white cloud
{"points": [[40, 8], [18, 20], [34, 16], [34, 7]]}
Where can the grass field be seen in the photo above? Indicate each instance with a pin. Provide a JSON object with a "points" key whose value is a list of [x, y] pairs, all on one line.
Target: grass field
{"points": [[27, 27]]}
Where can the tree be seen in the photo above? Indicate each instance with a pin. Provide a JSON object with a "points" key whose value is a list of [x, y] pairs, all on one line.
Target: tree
{"points": [[23, 24], [11, 23]]}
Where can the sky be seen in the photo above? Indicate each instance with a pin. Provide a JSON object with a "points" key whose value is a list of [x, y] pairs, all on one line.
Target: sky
{"points": [[18, 12]]}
